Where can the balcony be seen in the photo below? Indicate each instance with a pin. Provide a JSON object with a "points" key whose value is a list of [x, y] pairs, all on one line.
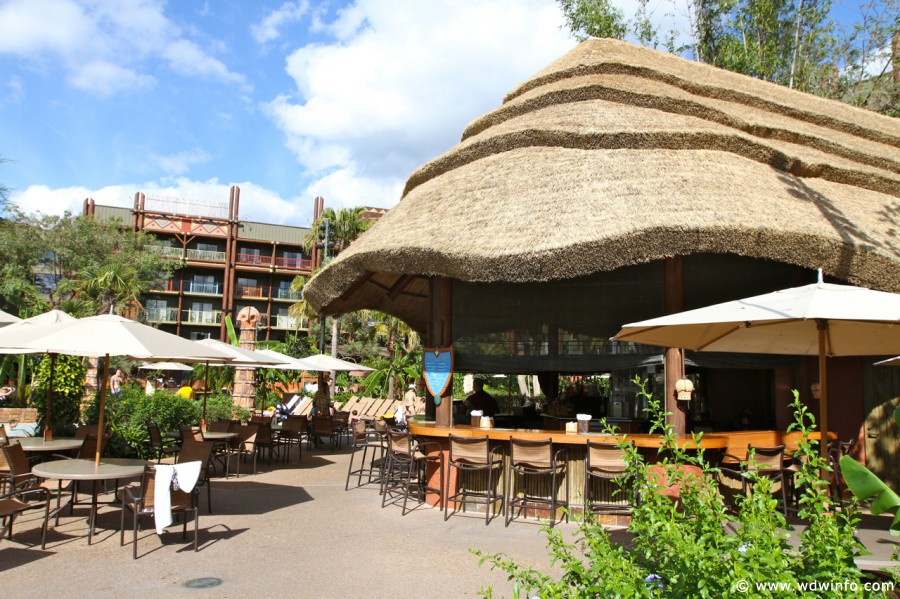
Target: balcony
{"points": [[287, 322], [254, 259], [168, 252], [162, 314], [208, 255], [288, 294], [294, 263], [203, 288], [213, 317], [247, 291]]}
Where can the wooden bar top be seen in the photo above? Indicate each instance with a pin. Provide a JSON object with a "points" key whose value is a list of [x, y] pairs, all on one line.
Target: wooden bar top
{"points": [[430, 429]]}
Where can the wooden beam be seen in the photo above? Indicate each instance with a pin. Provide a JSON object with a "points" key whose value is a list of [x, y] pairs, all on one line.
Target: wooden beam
{"points": [[401, 285], [357, 284]]}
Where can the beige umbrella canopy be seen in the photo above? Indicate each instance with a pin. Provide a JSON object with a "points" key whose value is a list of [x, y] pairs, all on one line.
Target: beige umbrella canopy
{"points": [[111, 335], [325, 363], [617, 155], [814, 320], [6, 318]]}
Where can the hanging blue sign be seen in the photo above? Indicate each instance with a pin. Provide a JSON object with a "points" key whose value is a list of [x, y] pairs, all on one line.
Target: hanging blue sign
{"points": [[438, 369]]}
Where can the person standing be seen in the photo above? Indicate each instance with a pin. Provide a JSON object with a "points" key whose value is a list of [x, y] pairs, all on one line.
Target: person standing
{"points": [[482, 400], [410, 402], [116, 381]]}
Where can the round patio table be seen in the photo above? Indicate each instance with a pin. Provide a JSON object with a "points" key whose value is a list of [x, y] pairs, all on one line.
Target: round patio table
{"points": [[56, 444], [87, 470]]}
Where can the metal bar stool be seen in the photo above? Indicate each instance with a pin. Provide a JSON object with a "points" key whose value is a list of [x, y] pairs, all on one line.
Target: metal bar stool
{"points": [[606, 470], [406, 467], [529, 462], [470, 455], [370, 466], [768, 462]]}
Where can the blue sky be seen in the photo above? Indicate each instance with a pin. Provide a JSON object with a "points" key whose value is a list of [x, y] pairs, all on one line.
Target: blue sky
{"points": [[287, 99]]}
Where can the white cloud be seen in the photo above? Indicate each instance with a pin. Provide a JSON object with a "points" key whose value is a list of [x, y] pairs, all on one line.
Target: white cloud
{"points": [[270, 27], [104, 47], [178, 164], [400, 82], [256, 202]]}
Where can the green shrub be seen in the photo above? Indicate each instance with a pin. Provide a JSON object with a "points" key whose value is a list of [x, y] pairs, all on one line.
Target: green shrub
{"points": [[221, 407], [126, 418], [696, 548], [68, 389]]}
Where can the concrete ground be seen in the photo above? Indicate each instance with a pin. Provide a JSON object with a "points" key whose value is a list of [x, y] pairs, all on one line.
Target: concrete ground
{"points": [[289, 530]]}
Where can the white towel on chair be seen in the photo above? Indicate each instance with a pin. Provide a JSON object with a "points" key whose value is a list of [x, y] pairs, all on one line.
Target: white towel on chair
{"points": [[186, 475]]}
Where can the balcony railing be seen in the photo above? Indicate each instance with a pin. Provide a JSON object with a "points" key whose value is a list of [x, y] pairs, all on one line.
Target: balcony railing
{"points": [[287, 322], [248, 291], [288, 294], [162, 314], [202, 316], [206, 255], [294, 263], [254, 259], [169, 252], [205, 288]]}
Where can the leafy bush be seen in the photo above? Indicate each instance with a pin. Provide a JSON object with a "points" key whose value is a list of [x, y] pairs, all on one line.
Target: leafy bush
{"points": [[68, 389], [695, 547], [221, 407], [126, 417]]}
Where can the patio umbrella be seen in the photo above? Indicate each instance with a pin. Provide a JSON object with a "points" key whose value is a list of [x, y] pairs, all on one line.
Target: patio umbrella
{"points": [[15, 334], [164, 366], [240, 357], [6, 318], [821, 320], [895, 361], [111, 335], [289, 363], [325, 363]]}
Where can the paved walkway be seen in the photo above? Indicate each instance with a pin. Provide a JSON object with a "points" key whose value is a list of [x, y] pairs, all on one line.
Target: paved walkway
{"points": [[291, 531]]}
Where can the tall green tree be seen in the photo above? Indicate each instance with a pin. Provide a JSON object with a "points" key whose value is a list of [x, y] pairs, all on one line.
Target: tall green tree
{"points": [[794, 43]]}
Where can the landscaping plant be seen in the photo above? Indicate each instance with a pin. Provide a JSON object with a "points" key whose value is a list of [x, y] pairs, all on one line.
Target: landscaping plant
{"points": [[699, 546]]}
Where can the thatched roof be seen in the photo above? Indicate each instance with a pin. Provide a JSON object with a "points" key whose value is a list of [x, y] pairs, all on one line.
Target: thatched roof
{"points": [[616, 155]]}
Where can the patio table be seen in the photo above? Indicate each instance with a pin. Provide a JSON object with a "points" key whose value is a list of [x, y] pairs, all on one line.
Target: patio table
{"points": [[221, 438], [39, 444], [88, 470]]}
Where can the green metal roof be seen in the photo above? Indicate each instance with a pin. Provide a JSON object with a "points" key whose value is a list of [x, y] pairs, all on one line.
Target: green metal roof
{"points": [[266, 232]]}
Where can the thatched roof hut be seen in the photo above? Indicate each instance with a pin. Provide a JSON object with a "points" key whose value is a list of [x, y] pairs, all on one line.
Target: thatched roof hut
{"points": [[617, 155]]}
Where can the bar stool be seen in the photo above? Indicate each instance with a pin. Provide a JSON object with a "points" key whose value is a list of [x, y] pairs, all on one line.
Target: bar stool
{"points": [[531, 461], [768, 462], [406, 467], [470, 455], [365, 440], [606, 470]]}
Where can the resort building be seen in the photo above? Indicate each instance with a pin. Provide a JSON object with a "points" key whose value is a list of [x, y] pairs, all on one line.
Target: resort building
{"points": [[228, 264]]}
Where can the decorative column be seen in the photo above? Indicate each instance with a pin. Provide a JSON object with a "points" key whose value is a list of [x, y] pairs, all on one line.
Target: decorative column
{"points": [[674, 302], [244, 392]]}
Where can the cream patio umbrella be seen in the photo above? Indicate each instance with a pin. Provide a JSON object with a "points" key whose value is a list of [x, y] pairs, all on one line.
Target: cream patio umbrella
{"points": [[895, 361], [325, 363], [111, 335], [6, 318], [240, 358], [820, 319]]}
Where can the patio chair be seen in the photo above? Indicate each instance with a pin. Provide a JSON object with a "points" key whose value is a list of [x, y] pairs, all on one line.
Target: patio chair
{"points": [[407, 468], [529, 461], [293, 429], [158, 446], [365, 440], [836, 450], [768, 462], [245, 445], [191, 432], [471, 455], [322, 427], [24, 485], [199, 451], [607, 482], [141, 501]]}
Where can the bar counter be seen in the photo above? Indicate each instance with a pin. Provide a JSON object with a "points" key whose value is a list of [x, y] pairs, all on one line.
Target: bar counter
{"points": [[430, 429]]}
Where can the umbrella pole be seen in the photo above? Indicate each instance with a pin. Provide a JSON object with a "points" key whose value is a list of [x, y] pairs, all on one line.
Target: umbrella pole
{"points": [[205, 395], [822, 326], [48, 432], [100, 424]]}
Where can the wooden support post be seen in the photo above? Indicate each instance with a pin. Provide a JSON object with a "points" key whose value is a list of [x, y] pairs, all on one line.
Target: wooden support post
{"points": [[673, 281], [444, 412]]}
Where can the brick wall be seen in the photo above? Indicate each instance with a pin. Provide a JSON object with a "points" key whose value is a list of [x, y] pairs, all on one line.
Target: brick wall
{"points": [[20, 414]]}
